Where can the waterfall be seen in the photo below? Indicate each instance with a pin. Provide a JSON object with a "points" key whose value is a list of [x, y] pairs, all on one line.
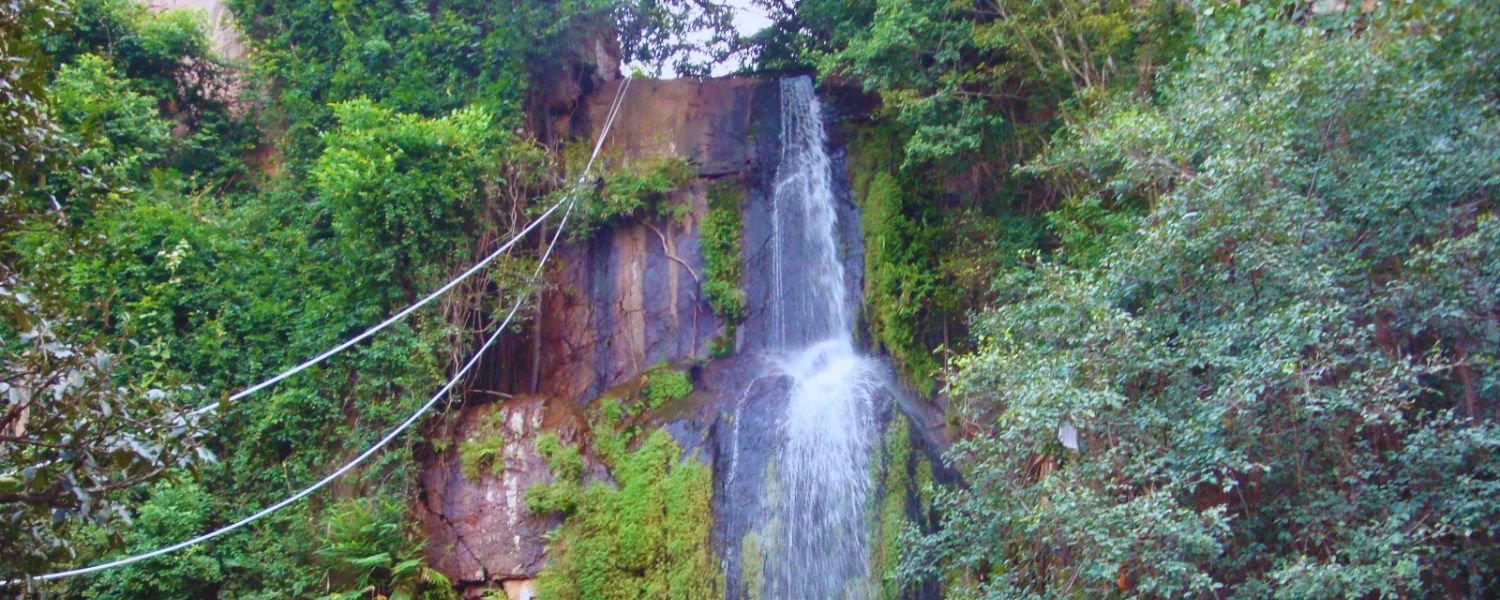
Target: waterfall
{"points": [[816, 535], [804, 224]]}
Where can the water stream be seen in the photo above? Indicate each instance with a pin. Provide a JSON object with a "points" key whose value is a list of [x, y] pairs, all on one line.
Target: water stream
{"points": [[816, 545]]}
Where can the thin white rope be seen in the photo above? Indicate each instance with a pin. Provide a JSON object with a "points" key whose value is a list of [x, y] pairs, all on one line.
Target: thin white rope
{"points": [[609, 121], [441, 393], [571, 201], [303, 366]]}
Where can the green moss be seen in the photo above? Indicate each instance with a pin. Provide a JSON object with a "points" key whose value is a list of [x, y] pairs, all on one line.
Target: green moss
{"points": [[662, 384], [484, 449], [477, 455], [900, 275], [925, 486], [645, 537], [752, 564], [723, 269], [563, 460], [608, 443], [891, 516]]}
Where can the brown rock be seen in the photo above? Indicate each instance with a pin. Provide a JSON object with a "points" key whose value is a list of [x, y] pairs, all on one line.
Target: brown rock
{"points": [[707, 122], [480, 531], [621, 302]]}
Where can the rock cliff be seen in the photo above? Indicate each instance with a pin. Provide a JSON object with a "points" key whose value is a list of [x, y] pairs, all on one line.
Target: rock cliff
{"points": [[624, 300]]}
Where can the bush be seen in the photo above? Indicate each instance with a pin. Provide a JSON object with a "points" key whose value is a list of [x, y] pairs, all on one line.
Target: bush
{"points": [[629, 189], [663, 384], [719, 238], [647, 537], [1272, 374]]}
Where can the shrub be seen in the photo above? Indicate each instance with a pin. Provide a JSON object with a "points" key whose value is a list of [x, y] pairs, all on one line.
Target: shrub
{"points": [[719, 238], [663, 384], [646, 537]]}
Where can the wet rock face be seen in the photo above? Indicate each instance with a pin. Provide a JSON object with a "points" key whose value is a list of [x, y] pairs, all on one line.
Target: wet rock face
{"points": [[714, 124], [479, 530], [629, 298], [619, 303]]}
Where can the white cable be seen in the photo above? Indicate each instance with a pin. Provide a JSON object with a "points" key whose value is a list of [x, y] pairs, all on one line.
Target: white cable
{"points": [[571, 200], [614, 107], [383, 324], [609, 121]]}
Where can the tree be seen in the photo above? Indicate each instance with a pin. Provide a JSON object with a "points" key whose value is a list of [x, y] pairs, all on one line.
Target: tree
{"points": [[1275, 374]]}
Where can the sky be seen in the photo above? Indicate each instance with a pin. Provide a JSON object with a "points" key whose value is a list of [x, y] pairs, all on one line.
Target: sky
{"points": [[748, 19]]}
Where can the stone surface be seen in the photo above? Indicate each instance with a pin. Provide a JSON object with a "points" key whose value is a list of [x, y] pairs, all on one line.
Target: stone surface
{"points": [[621, 302], [480, 531], [710, 123]]}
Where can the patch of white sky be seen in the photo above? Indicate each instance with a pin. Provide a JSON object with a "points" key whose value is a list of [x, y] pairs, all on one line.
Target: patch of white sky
{"points": [[749, 19]]}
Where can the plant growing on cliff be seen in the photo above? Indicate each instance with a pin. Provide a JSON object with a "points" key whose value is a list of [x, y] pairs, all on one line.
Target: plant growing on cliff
{"points": [[647, 536], [480, 455], [664, 384], [891, 513], [901, 273], [483, 451], [723, 271], [368, 552], [629, 189]]}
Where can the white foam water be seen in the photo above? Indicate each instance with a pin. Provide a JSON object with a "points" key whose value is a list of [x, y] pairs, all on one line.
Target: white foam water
{"points": [[817, 548]]}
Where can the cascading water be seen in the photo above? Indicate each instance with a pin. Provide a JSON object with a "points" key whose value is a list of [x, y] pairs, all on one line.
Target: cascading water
{"points": [[804, 225], [816, 544]]}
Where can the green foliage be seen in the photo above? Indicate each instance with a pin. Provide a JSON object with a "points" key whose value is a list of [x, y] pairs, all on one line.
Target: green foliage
{"points": [[925, 262], [723, 271], [476, 456], [367, 551], [148, 46], [172, 513], [662, 384], [1280, 373], [26, 131], [567, 477], [607, 441], [69, 472], [165, 56], [400, 189], [966, 80], [631, 189], [117, 133], [688, 36], [645, 537], [165, 281], [891, 513], [899, 277]]}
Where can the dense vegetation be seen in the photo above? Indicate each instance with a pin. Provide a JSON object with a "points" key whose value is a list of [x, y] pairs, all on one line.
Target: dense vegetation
{"points": [[177, 227], [723, 270], [643, 534], [1208, 289], [1232, 300]]}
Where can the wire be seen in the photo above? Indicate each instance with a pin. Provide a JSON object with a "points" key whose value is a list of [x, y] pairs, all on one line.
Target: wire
{"points": [[571, 201], [441, 393], [609, 121]]}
